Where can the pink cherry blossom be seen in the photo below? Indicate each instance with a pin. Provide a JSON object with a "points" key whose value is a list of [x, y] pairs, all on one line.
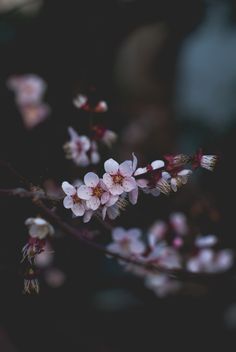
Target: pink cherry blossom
{"points": [[77, 148], [94, 191], [118, 178], [29, 88], [126, 242], [72, 200]]}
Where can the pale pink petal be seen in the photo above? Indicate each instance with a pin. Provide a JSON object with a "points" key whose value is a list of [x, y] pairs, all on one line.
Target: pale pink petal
{"points": [[133, 196], [137, 247], [68, 202], [105, 197], [129, 184], [111, 166], [78, 209], [84, 192], [116, 189], [126, 168], [91, 179], [134, 233], [104, 212], [140, 171], [107, 179], [142, 183], [73, 134], [157, 164], [112, 200], [114, 248], [185, 172], [118, 234], [87, 216], [68, 188], [85, 143], [95, 157], [173, 183], [93, 203], [135, 162]]}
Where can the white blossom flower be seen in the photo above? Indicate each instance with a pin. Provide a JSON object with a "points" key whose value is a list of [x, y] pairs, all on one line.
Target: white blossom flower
{"points": [[179, 178], [161, 284], [39, 228], [77, 148], [29, 88], [72, 200], [126, 242], [209, 261], [118, 178], [94, 192]]}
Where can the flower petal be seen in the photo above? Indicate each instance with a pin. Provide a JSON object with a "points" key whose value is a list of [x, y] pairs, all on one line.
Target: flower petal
{"points": [[91, 179], [68, 202], [93, 203], [105, 197], [84, 192], [78, 209], [111, 166], [133, 196], [107, 179], [129, 184], [135, 162], [68, 188], [126, 168], [157, 164], [85, 143], [118, 233], [116, 189], [87, 216]]}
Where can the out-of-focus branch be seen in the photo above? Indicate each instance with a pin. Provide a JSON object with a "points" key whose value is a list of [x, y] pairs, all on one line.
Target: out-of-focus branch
{"points": [[23, 193]]}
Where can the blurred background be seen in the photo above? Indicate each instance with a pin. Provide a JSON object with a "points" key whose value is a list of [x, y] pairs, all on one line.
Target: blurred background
{"points": [[167, 70]]}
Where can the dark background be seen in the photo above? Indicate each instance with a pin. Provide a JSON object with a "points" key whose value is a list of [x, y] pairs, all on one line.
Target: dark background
{"points": [[73, 44]]}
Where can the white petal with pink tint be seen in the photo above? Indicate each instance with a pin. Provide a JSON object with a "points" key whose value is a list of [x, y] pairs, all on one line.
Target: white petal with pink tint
{"points": [[129, 184], [116, 189], [157, 164], [133, 196], [84, 192], [126, 168], [93, 203], [87, 216], [91, 179], [78, 209], [68, 188], [105, 197], [68, 202], [111, 166], [107, 179]]}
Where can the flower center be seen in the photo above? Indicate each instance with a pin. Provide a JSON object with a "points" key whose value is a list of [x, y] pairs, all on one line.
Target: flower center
{"points": [[76, 199], [98, 191], [117, 178]]}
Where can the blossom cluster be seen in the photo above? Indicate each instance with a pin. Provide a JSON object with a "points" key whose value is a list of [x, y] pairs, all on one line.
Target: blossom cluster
{"points": [[165, 247], [29, 90], [83, 150], [39, 232], [121, 183]]}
